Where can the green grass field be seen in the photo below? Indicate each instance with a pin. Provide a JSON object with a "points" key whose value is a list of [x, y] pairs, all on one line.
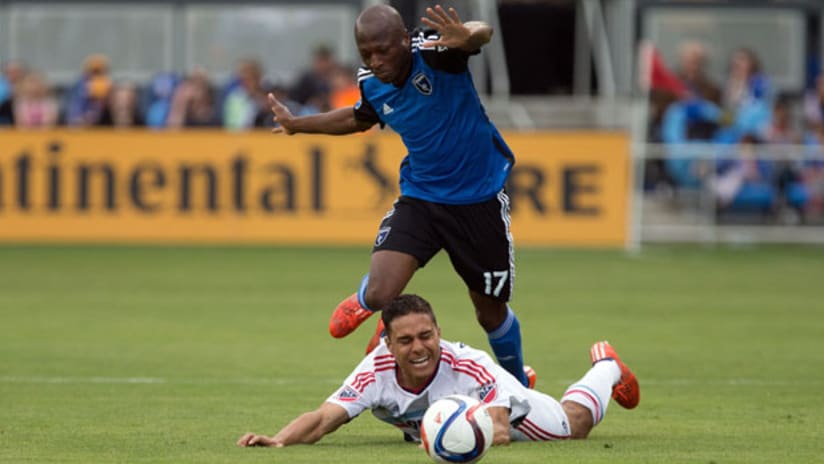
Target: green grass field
{"points": [[138, 355]]}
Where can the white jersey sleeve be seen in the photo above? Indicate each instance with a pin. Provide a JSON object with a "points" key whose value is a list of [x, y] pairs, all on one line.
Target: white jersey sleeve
{"points": [[359, 391], [493, 384]]}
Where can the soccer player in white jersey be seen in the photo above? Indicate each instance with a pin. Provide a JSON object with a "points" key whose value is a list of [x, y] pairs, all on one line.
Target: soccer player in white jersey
{"points": [[413, 367]]}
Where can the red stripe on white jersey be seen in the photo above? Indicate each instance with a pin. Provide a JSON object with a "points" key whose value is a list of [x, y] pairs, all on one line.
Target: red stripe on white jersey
{"points": [[527, 432], [368, 382], [363, 379], [363, 374], [543, 434], [481, 370], [384, 367], [469, 373], [468, 364], [384, 360]]}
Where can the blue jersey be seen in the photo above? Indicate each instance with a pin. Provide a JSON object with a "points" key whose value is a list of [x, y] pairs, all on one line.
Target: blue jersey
{"points": [[456, 155]]}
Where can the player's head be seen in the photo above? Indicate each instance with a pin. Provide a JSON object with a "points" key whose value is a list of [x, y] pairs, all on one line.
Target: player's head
{"points": [[383, 43], [404, 305], [413, 337]]}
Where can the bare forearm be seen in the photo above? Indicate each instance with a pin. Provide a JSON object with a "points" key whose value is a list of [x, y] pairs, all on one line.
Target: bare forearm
{"points": [[480, 33], [500, 421], [305, 429], [336, 122]]}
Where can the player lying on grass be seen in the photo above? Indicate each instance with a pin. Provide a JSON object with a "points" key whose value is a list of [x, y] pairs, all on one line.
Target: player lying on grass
{"points": [[414, 367]]}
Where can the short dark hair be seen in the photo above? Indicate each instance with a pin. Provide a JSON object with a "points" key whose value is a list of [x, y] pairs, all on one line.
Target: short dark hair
{"points": [[403, 305]]}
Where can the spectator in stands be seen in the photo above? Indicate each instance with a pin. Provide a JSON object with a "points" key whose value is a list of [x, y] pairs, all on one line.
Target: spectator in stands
{"points": [[747, 96], [88, 97], [246, 106], [814, 105], [344, 88], [281, 92], [783, 133], [12, 72], [684, 124], [314, 86], [781, 129], [744, 182], [809, 190], [161, 91], [692, 72], [122, 109], [33, 104], [684, 109], [746, 79], [5, 86], [193, 104]]}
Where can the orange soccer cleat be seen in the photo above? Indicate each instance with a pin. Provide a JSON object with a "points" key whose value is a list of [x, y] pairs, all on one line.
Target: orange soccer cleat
{"points": [[376, 338], [626, 392], [531, 376], [347, 317]]}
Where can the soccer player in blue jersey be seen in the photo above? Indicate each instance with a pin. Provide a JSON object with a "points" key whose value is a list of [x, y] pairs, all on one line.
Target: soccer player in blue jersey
{"points": [[451, 181]]}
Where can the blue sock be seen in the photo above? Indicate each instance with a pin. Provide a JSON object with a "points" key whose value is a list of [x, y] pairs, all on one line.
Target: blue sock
{"points": [[506, 344], [362, 293]]}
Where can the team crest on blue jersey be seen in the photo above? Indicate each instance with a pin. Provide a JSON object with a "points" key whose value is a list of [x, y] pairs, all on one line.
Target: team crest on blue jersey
{"points": [[422, 83], [487, 393], [348, 394], [382, 234]]}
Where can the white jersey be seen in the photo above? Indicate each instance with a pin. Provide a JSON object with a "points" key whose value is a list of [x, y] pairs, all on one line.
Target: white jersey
{"points": [[463, 370]]}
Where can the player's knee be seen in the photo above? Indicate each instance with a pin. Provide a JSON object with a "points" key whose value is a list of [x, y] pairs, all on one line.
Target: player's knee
{"points": [[377, 296], [580, 419], [487, 321], [490, 313]]}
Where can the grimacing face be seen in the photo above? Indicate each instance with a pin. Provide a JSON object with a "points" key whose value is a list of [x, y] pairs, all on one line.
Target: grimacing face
{"points": [[415, 341], [386, 56]]}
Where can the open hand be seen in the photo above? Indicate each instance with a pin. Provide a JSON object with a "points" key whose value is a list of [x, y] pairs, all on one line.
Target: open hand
{"points": [[282, 116], [251, 439], [453, 32]]}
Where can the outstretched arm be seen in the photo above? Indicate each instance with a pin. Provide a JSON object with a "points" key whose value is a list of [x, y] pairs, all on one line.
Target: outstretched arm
{"points": [[306, 428], [336, 122], [468, 36], [500, 419]]}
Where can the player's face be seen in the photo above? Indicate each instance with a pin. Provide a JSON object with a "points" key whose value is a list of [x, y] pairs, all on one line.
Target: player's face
{"points": [[388, 57], [415, 341]]}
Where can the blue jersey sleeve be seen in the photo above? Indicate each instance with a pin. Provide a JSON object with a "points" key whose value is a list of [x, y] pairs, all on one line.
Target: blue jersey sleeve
{"points": [[364, 111]]}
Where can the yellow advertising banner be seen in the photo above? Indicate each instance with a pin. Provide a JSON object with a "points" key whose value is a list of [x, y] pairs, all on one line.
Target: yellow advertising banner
{"points": [[255, 187]]}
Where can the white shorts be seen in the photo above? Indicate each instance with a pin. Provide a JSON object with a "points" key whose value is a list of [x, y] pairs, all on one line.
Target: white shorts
{"points": [[546, 420]]}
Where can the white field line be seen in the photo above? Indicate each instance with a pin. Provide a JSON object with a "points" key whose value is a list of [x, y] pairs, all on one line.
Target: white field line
{"points": [[12, 379], [161, 380]]}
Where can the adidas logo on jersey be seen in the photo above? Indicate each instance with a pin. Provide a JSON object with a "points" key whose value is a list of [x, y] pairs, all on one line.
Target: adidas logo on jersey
{"points": [[387, 109]]}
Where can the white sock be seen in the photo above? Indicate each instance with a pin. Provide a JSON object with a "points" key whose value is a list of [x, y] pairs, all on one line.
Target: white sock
{"points": [[594, 389]]}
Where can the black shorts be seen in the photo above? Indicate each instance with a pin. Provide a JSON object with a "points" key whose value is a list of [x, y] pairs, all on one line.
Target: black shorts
{"points": [[476, 237]]}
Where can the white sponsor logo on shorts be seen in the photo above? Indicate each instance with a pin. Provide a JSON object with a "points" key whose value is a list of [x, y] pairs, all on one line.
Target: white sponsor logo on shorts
{"points": [[382, 234]]}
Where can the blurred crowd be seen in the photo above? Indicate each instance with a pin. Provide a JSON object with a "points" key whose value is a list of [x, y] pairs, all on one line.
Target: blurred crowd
{"points": [[757, 151], [169, 100], [765, 153]]}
